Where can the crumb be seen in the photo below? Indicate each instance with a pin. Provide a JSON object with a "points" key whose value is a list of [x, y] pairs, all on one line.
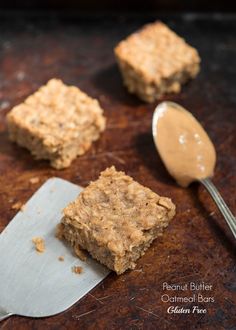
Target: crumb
{"points": [[39, 244], [61, 258], [18, 206], [59, 231], [80, 253], [77, 269], [34, 180]]}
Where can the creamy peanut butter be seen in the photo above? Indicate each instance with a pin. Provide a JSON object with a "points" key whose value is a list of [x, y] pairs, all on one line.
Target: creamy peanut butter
{"points": [[183, 144]]}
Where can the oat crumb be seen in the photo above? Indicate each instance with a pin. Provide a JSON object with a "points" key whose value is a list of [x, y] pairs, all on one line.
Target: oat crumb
{"points": [[61, 258], [77, 269], [80, 253], [59, 231], [34, 180], [18, 206], [39, 244]]}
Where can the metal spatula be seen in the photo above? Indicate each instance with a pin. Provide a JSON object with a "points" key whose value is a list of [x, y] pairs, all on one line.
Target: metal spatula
{"points": [[38, 284]]}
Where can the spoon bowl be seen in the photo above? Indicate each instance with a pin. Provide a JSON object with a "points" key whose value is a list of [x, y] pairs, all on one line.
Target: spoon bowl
{"points": [[183, 144]]}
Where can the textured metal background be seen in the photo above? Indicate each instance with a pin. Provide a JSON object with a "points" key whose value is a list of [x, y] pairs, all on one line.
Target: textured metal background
{"points": [[197, 246]]}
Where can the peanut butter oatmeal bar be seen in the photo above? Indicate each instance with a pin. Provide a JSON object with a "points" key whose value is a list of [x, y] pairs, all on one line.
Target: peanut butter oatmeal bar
{"points": [[155, 61], [58, 123], [116, 219]]}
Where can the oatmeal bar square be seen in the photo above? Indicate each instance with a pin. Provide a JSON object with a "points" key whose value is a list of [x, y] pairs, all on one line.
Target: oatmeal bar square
{"points": [[155, 60], [58, 123], [115, 219]]}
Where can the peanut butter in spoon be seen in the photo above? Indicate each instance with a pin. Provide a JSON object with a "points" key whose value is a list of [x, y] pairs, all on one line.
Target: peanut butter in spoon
{"points": [[183, 144]]}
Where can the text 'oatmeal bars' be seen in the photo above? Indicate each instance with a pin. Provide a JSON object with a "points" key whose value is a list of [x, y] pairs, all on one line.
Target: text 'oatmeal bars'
{"points": [[155, 61], [115, 219], [58, 123]]}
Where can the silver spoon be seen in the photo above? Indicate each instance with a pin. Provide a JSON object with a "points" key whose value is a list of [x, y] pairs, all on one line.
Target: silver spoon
{"points": [[206, 181]]}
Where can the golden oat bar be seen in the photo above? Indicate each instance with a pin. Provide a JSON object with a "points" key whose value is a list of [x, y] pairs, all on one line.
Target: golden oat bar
{"points": [[58, 123], [115, 219], [155, 60]]}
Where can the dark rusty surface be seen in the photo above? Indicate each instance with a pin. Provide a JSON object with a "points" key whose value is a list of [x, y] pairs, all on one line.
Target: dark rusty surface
{"points": [[197, 246]]}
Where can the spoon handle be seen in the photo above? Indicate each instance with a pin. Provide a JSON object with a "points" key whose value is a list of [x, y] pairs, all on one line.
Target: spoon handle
{"points": [[227, 214]]}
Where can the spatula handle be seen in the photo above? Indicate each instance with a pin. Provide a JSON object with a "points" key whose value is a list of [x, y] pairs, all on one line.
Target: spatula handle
{"points": [[4, 314]]}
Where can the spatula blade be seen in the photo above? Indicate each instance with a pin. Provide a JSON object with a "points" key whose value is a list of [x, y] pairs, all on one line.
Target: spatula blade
{"points": [[38, 284]]}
